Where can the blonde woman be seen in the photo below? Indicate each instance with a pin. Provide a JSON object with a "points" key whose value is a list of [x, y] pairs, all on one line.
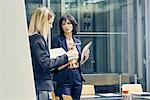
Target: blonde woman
{"points": [[40, 25]]}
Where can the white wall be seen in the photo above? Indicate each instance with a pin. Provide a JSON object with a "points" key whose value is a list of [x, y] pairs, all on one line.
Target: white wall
{"points": [[16, 76]]}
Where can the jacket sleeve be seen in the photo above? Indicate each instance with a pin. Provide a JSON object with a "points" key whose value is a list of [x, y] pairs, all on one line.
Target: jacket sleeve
{"points": [[43, 56]]}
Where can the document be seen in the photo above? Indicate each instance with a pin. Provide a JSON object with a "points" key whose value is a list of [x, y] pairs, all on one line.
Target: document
{"points": [[60, 51], [109, 94], [56, 52], [86, 47]]}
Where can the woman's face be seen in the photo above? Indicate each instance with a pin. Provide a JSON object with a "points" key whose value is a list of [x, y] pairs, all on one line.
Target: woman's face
{"points": [[67, 26]]}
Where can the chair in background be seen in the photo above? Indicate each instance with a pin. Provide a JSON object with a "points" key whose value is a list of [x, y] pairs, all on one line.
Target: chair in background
{"points": [[131, 88], [54, 97], [66, 97], [88, 90]]}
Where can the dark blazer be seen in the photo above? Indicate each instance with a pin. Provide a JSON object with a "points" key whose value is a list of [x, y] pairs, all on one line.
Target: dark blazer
{"points": [[42, 64], [65, 75]]}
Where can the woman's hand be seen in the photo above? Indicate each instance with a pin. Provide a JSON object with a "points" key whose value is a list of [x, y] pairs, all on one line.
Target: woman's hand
{"points": [[86, 56], [73, 64], [72, 54]]}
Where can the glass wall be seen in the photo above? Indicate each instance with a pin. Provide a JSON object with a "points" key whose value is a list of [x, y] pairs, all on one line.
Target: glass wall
{"points": [[117, 29]]}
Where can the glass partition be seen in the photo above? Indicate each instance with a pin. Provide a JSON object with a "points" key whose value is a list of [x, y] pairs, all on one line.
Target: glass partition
{"points": [[116, 28]]}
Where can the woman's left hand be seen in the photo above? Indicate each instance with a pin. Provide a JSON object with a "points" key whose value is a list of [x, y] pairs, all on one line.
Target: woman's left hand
{"points": [[73, 64], [86, 56]]}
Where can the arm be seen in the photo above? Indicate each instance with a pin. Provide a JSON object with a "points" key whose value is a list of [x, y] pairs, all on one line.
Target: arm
{"points": [[43, 56], [56, 44], [86, 55]]}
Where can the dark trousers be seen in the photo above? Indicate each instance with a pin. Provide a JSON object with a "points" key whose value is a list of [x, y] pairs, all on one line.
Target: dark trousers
{"points": [[43, 95], [74, 90]]}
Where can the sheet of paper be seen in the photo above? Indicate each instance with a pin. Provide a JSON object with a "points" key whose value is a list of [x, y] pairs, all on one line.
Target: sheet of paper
{"points": [[86, 47], [109, 95], [56, 52]]}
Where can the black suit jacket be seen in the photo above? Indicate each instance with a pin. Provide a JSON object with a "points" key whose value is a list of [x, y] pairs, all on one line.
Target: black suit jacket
{"points": [[42, 64], [64, 75]]}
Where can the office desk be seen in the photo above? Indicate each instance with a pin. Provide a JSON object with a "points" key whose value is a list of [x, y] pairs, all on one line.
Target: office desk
{"points": [[114, 98], [102, 98], [98, 97], [140, 97]]}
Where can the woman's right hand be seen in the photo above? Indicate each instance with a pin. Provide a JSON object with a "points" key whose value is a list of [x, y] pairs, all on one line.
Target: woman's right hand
{"points": [[72, 54], [86, 56]]}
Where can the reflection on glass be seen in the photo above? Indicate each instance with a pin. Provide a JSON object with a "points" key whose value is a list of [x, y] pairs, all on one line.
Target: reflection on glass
{"points": [[106, 23]]}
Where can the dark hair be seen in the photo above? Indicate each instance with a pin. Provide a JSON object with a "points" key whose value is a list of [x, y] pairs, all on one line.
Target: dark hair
{"points": [[73, 22]]}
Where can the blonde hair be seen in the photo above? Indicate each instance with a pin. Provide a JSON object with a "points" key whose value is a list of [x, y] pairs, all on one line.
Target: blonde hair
{"points": [[39, 21]]}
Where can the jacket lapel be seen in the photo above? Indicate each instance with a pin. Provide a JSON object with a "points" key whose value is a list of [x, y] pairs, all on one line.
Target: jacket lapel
{"points": [[78, 47], [76, 41], [63, 42]]}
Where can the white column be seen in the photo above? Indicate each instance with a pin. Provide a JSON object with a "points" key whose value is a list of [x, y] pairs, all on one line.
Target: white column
{"points": [[16, 75], [112, 39], [139, 41], [131, 43], [44, 2], [147, 31]]}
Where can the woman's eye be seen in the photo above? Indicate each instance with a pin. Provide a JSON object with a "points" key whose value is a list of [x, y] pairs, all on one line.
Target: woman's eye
{"points": [[68, 23], [63, 24]]}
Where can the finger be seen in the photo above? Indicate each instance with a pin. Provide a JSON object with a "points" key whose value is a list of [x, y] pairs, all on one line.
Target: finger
{"points": [[88, 51]]}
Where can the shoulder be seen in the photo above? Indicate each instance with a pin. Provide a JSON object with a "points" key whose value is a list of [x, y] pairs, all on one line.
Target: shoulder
{"points": [[36, 38], [77, 40], [57, 41], [58, 38]]}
